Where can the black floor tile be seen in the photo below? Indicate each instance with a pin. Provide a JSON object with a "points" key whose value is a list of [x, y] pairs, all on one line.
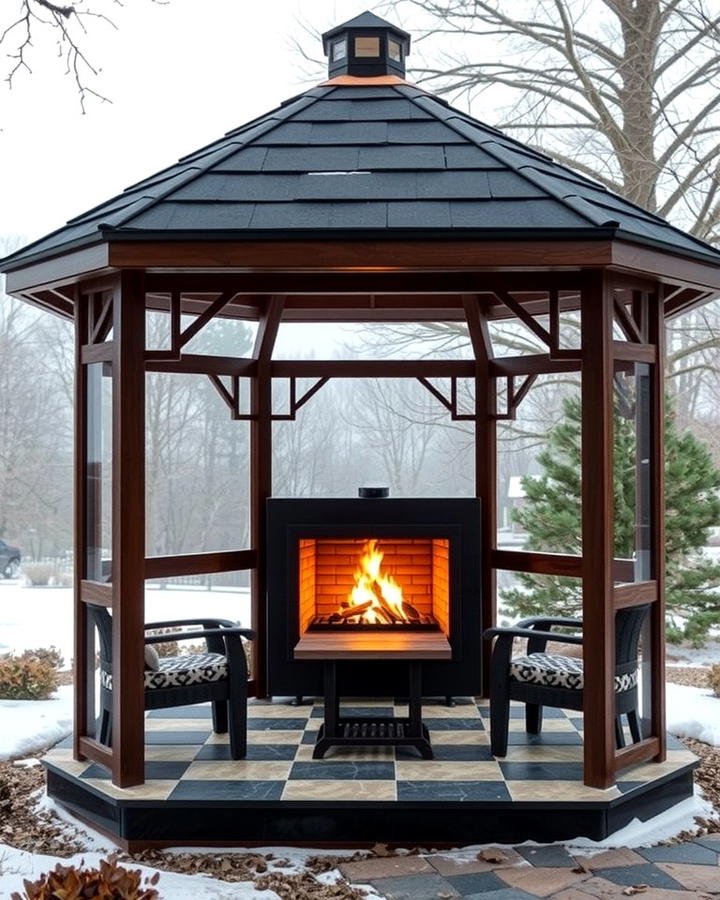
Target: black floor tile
{"points": [[453, 724], [196, 711], [343, 771], [695, 854], [414, 887], [452, 791], [355, 711], [227, 790], [641, 874], [476, 883], [554, 856], [154, 771], [542, 771], [258, 724], [544, 739], [177, 737]]}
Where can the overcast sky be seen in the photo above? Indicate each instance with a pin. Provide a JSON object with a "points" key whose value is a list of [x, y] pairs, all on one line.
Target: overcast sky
{"points": [[179, 75]]}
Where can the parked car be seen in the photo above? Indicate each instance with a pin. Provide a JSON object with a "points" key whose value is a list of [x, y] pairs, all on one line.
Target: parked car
{"points": [[9, 560]]}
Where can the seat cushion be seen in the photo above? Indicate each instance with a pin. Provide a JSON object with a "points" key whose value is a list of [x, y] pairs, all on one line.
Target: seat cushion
{"points": [[560, 672], [180, 671]]}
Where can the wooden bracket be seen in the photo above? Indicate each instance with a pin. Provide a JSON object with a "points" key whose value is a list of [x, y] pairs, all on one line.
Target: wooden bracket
{"points": [[550, 338], [297, 402], [101, 317], [514, 397], [450, 405], [179, 338]]}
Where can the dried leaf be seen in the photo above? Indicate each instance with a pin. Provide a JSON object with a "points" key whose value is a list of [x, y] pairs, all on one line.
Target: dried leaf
{"points": [[492, 855], [381, 850], [635, 889], [581, 869]]}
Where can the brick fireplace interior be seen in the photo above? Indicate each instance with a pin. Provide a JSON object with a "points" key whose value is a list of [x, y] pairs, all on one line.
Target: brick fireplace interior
{"points": [[333, 582]]}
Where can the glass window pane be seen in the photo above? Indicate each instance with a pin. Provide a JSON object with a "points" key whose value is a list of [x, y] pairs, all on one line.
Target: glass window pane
{"points": [[394, 51], [339, 50], [367, 46], [99, 471]]}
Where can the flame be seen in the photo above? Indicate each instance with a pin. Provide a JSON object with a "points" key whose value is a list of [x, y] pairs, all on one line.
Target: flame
{"points": [[382, 592]]}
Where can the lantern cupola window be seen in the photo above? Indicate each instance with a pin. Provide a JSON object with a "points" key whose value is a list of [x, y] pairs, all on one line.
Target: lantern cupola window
{"points": [[366, 47]]}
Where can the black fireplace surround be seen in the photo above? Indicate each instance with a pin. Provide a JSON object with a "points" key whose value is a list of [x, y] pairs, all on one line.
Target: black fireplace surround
{"points": [[455, 519]]}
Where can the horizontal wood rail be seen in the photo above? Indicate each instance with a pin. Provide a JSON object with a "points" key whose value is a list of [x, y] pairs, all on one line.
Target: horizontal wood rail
{"points": [[200, 563], [533, 364], [373, 368], [195, 364], [635, 594], [630, 352], [644, 751], [95, 353], [538, 563], [96, 592], [91, 749]]}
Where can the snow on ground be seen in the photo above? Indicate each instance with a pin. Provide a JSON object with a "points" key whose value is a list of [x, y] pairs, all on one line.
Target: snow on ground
{"points": [[32, 617], [28, 726], [693, 713]]}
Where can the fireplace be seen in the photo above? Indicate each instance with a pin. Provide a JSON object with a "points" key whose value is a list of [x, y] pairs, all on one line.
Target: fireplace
{"points": [[368, 574]]}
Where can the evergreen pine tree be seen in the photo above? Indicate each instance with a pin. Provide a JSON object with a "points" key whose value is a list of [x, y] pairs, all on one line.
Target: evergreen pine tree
{"points": [[552, 519]]}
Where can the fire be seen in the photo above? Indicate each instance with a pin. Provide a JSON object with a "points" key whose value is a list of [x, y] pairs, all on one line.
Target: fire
{"points": [[376, 599]]}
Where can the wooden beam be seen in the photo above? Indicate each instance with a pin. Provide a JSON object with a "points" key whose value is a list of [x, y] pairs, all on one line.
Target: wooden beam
{"points": [[635, 594], [598, 533], [128, 530], [96, 592], [195, 364], [656, 334], [533, 364], [261, 479], [83, 635], [538, 563], [206, 316], [626, 322], [94, 353], [199, 563], [644, 751], [373, 368], [97, 752], [374, 255], [627, 352]]}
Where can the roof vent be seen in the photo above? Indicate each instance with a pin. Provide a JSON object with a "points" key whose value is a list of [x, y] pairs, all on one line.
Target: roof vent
{"points": [[366, 46]]}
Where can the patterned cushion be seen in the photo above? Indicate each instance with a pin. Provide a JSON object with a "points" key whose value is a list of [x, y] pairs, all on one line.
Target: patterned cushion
{"points": [[560, 672], [180, 671]]}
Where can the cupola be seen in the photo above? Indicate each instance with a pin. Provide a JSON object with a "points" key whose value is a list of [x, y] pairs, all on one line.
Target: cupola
{"points": [[366, 46]]}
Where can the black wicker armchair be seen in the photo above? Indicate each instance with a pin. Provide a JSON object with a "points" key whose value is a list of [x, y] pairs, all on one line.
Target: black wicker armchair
{"points": [[219, 675], [539, 679]]}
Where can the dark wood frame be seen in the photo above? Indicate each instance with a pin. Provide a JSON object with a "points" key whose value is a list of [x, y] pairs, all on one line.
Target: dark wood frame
{"points": [[359, 280]]}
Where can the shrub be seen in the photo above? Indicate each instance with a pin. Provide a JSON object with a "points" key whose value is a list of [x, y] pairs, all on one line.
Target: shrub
{"points": [[166, 648], [713, 679], [49, 655], [38, 574], [26, 678], [109, 882]]}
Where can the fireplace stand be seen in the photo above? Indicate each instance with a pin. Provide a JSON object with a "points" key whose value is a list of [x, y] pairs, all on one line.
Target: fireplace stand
{"points": [[381, 731]]}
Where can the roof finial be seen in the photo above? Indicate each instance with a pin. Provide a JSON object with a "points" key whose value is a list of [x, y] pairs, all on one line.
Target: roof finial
{"points": [[366, 46]]}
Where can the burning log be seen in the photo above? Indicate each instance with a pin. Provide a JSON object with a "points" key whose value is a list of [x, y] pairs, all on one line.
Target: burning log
{"points": [[384, 608], [356, 610]]}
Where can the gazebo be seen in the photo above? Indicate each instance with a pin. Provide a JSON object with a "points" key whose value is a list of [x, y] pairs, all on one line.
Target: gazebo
{"points": [[368, 199]]}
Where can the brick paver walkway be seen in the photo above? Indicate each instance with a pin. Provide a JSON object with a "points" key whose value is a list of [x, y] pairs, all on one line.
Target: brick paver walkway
{"points": [[658, 873]]}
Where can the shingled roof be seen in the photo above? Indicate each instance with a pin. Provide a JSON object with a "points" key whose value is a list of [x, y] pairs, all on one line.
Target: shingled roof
{"points": [[365, 161]]}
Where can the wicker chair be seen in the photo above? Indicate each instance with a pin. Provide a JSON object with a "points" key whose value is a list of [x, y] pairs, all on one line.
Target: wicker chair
{"points": [[539, 679], [219, 675]]}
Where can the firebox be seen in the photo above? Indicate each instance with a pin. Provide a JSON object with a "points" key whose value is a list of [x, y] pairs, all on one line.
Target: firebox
{"points": [[369, 574]]}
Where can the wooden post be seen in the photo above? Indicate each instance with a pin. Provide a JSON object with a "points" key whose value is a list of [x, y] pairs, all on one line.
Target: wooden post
{"points": [[128, 528], [656, 335], [84, 684], [261, 480], [598, 531], [485, 467]]}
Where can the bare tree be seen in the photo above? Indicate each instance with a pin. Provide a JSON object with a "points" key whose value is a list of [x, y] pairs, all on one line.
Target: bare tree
{"points": [[625, 91], [29, 27]]}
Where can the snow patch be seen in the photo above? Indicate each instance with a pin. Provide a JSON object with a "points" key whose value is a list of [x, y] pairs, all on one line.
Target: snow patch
{"points": [[29, 726]]}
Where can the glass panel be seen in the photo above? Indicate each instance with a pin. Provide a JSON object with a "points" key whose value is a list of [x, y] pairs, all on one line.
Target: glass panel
{"points": [[376, 432], [367, 46], [539, 475], [394, 51], [222, 337], [197, 475], [339, 50], [99, 471], [632, 470], [521, 594], [222, 595], [386, 340]]}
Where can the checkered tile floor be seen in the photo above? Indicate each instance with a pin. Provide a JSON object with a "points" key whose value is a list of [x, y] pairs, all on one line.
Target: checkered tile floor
{"points": [[186, 761]]}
